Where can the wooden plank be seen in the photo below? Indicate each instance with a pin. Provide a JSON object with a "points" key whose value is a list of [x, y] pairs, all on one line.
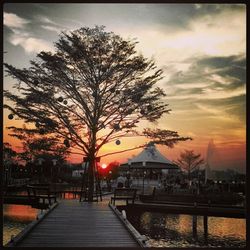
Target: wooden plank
{"points": [[79, 225]]}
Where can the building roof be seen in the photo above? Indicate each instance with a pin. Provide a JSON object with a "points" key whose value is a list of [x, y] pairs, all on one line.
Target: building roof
{"points": [[150, 155]]}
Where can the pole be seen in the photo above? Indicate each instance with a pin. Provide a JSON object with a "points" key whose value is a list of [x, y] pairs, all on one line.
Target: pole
{"points": [[194, 226], [205, 224], [143, 165], [198, 181], [143, 184]]}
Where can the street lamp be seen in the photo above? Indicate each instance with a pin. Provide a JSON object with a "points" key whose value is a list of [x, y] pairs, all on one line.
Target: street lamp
{"points": [[129, 164], [199, 175], [40, 162], [128, 178], [54, 161], [144, 174], [109, 183]]}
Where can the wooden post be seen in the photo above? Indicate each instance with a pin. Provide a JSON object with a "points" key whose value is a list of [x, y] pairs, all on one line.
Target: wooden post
{"points": [[205, 224], [194, 226]]}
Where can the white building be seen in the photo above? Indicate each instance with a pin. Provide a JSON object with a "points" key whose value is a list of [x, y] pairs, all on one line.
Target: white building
{"points": [[77, 173], [149, 165]]}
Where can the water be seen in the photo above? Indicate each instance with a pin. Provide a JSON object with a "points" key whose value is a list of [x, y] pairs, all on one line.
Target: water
{"points": [[16, 218], [162, 230], [175, 230]]}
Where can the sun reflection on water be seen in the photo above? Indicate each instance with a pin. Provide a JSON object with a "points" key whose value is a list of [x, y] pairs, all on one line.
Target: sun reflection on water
{"points": [[15, 219]]}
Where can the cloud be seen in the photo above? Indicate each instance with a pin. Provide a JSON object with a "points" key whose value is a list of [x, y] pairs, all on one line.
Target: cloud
{"points": [[51, 28], [30, 44], [211, 88], [45, 19], [22, 35], [14, 21], [48, 24], [232, 68], [210, 75], [234, 107]]}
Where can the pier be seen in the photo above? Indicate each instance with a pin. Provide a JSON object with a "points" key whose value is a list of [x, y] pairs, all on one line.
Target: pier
{"points": [[101, 224], [77, 224]]}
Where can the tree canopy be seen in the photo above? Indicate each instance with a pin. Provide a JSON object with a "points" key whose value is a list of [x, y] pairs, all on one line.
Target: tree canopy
{"points": [[92, 90]]}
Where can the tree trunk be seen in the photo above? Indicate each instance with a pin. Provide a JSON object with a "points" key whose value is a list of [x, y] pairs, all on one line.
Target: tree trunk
{"points": [[91, 177]]}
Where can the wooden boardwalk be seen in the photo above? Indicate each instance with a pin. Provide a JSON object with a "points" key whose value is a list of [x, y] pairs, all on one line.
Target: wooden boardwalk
{"points": [[79, 224]]}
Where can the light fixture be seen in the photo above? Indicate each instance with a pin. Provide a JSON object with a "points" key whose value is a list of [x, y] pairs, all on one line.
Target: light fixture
{"points": [[10, 116], [42, 131], [66, 143], [36, 82], [142, 112], [60, 99], [54, 162], [150, 108], [116, 126]]}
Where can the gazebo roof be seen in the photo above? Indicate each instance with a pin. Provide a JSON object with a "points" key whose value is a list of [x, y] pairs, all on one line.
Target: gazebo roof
{"points": [[152, 158]]}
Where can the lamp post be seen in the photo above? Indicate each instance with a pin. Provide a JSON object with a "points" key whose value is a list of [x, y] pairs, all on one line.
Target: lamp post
{"points": [[128, 172], [199, 177], [109, 181], [40, 162], [144, 174], [54, 161], [128, 179]]}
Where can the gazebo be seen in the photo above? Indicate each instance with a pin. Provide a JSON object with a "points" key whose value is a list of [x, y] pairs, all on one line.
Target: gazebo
{"points": [[149, 164]]}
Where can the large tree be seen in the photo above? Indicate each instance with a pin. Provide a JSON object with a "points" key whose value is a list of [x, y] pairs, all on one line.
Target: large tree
{"points": [[93, 90]]}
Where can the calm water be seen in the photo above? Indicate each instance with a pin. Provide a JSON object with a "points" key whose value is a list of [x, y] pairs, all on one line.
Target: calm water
{"points": [[175, 230], [16, 218], [162, 230]]}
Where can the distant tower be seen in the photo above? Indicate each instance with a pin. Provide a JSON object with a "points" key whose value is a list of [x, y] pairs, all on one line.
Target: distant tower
{"points": [[210, 154]]}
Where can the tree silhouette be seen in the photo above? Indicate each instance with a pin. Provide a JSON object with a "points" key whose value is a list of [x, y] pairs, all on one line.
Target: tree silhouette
{"points": [[38, 146], [189, 161], [8, 152], [93, 90]]}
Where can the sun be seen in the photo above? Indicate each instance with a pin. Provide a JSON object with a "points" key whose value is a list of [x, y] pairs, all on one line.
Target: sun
{"points": [[104, 166]]}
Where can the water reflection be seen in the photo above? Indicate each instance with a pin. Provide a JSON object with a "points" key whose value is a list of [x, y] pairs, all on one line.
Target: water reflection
{"points": [[20, 213], [16, 218], [175, 230]]}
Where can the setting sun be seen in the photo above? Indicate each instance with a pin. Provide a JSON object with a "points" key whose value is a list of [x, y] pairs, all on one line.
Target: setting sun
{"points": [[104, 166]]}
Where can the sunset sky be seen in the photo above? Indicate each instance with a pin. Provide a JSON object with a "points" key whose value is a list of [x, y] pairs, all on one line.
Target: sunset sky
{"points": [[200, 47]]}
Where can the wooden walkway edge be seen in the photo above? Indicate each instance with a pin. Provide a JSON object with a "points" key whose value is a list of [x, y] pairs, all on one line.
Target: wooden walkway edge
{"points": [[18, 238], [79, 224], [141, 239]]}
